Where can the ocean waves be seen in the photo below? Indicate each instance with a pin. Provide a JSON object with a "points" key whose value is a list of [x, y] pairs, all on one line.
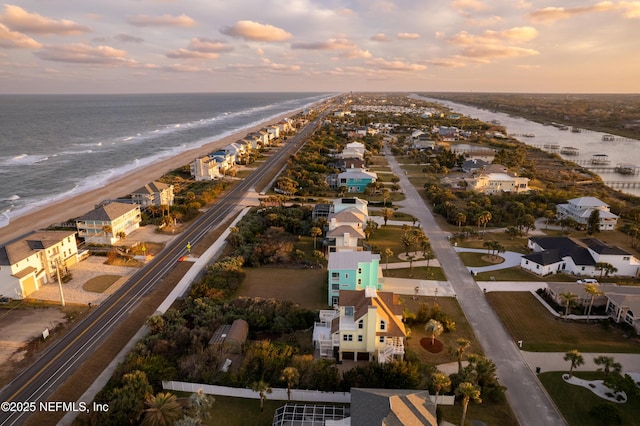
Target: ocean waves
{"points": [[44, 162]]}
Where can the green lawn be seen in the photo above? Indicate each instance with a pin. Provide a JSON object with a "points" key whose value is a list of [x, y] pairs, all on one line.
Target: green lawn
{"points": [[510, 274], [419, 273], [519, 245], [526, 319], [307, 287], [476, 259], [575, 402], [228, 411], [388, 237]]}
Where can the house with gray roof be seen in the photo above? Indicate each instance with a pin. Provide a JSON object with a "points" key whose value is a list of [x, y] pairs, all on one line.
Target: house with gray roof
{"points": [[153, 194], [580, 209], [552, 255], [107, 223], [33, 260]]}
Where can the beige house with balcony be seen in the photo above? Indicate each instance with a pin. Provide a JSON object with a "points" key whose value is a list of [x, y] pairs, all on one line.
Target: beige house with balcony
{"points": [[493, 183], [31, 261], [153, 194], [104, 224], [366, 326]]}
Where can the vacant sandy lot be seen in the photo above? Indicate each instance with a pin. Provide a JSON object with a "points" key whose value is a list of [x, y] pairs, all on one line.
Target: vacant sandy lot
{"points": [[19, 326]]}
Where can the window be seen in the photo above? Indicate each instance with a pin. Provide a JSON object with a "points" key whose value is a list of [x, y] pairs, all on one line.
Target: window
{"points": [[361, 324], [359, 281], [381, 339], [382, 325], [346, 276], [359, 270], [359, 338], [335, 275], [348, 311], [347, 337], [335, 286]]}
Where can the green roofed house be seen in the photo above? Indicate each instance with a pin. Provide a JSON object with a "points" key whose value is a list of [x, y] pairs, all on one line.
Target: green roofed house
{"points": [[353, 270]]}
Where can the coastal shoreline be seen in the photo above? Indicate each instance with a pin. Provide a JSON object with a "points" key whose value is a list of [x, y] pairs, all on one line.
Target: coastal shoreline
{"points": [[76, 205]]}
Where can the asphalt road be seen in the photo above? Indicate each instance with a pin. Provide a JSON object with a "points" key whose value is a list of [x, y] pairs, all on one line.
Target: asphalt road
{"points": [[35, 384], [529, 401]]}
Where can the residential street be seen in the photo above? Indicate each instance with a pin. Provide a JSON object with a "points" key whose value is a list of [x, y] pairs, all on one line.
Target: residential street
{"points": [[526, 395]]}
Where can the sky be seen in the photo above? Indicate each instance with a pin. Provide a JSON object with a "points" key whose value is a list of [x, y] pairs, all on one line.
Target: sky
{"points": [[158, 46]]}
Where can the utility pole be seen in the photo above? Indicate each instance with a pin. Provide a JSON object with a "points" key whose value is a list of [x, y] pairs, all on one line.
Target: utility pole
{"points": [[59, 280]]}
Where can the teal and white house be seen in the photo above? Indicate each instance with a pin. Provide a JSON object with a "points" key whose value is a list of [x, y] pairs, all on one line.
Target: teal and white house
{"points": [[353, 270], [356, 180]]}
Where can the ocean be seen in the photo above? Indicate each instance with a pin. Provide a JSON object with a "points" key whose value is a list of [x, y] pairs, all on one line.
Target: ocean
{"points": [[53, 147]]}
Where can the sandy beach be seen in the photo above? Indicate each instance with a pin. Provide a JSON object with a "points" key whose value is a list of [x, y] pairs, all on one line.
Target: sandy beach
{"points": [[64, 210]]}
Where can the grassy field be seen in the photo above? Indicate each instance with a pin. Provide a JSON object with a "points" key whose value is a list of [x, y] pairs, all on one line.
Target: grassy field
{"points": [[388, 237], [419, 273], [510, 274], [228, 411], [101, 283], [527, 320], [477, 259], [575, 402], [307, 287], [450, 306], [494, 414], [519, 245]]}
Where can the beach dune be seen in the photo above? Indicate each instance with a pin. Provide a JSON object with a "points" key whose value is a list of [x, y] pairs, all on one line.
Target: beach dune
{"points": [[75, 206]]}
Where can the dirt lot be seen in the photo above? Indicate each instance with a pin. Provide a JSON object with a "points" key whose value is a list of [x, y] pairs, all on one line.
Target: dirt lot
{"points": [[21, 325]]}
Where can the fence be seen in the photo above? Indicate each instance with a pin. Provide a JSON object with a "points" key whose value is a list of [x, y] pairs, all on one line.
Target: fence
{"points": [[278, 393]]}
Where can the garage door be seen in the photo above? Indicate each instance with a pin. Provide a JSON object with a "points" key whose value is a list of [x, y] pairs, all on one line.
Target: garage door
{"points": [[28, 286]]}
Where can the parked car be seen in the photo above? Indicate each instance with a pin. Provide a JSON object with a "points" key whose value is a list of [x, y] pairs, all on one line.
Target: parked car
{"points": [[588, 281]]}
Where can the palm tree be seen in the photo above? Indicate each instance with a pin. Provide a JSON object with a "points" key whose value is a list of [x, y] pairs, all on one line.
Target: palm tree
{"points": [[463, 345], [385, 196], [291, 375], [388, 253], [469, 392], [486, 217], [575, 357], [593, 291], [433, 328], [387, 214], [602, 266], [568, 298], [263, 389], [163, 410], [609, 364], [315, 232], [548, 215], [441, 382], [461, 219]]}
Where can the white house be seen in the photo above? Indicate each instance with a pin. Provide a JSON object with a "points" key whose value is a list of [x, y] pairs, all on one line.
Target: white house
{"points": [[346, 229], [153, 194], [106, 223], [366, 326], [551, 255], [33, 260], [581, 208], [353, 150], [493, 183]]}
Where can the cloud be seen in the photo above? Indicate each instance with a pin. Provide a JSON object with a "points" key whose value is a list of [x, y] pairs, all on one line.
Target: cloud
{"points": [[19, 19], [550, 14], [380, 37], [201, 44], [355, 54], [383, 64], [125, 38], [495, 44], [528, 67], [408, 36], [463, 5], [191, 54], [14, 39], [82, 53], [165, 20], [255, 31], [454, 62], [331, 44]]}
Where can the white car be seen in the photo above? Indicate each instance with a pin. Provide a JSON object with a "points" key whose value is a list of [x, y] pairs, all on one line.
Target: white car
{"points": [[588, 281]]}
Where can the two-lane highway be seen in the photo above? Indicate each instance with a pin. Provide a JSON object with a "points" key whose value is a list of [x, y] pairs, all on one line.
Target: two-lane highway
{"points": [[46, 374]]}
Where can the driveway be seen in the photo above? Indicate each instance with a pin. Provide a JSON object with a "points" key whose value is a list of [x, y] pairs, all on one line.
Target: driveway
{"points": [[528, 400]]}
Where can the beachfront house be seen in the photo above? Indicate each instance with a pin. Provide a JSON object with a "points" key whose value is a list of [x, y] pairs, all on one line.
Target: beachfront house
{"points": [[153, 194], [580, 209], [366, 326], [352, 270], [552, 255], [33, 260], [107, 224]]}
